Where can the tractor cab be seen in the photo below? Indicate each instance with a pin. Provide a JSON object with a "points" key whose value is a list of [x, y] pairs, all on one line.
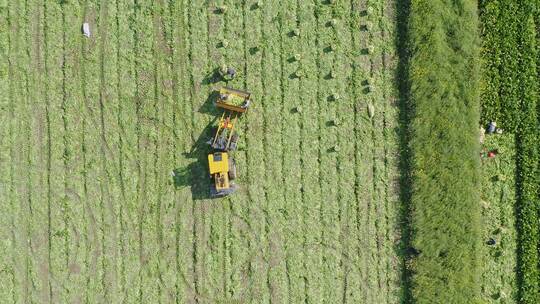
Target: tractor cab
{"points": [[222, 171]]}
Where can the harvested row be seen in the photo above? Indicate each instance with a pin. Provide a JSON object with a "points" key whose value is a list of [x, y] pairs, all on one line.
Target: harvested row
{"points": [[126, 151], [254, 217], [310, 151], [445, 172], [382, 91], [499, 221], [6, 280], [95, 125]]}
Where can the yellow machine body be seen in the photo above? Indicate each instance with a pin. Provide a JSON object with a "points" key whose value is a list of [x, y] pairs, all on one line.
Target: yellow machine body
{"points": [[218, 164]]}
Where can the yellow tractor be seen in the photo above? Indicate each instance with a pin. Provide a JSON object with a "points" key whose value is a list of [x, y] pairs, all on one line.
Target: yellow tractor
{"points": [[223, 172], [222, 166], [234, 103]]}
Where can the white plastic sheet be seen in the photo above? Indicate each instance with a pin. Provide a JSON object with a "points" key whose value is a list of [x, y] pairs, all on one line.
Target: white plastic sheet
{"points": [[86, 29]]}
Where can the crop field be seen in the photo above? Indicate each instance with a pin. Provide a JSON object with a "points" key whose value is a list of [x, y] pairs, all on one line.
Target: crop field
{"points": [[360, 169], [104, 183]]}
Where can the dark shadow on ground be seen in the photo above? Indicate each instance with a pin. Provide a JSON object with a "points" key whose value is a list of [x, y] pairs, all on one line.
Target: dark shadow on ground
{"points": [[195, 175], [405, 249], [213, 77], [208, 107]]}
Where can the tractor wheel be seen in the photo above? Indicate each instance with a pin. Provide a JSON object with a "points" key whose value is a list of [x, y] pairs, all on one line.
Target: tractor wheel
{"points": [[234, 142], [232, 169]]}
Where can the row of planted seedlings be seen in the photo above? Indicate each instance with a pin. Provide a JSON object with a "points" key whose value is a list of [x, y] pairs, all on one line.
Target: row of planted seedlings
{"points": [[381, 89], [292, 204], [308, 110], [198, 68], [165, 211], [6, 280], [182, 144], [15, 156], [260, 249], [76, 119], [226, 49], [186, 157]]}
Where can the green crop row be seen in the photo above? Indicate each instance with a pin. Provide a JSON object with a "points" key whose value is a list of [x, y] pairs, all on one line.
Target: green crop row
{"points": [[527, 164], [510, 94], [445, 213]]}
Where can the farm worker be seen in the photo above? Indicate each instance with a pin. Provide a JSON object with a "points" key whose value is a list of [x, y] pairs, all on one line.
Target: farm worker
{"points": [[231, 72], [492, 153], [492, 127]]}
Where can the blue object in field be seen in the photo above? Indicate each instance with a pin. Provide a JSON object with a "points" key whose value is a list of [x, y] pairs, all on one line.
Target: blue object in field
{"points": [[491, 127]]}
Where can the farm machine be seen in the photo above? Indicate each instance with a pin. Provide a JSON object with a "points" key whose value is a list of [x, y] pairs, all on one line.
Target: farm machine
{"points": [[221, 165]]}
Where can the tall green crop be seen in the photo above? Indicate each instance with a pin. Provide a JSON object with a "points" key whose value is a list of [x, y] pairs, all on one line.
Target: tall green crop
{"points": [[444, 79]]}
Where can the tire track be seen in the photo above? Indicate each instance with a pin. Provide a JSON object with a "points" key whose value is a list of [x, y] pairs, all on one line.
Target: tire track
{"points": [[123, 199], [109, 275], [29, 197], [48, 152], [290, 140], [344, 125], [311, 151], [391, 117], [274, 158], [379, 150], [217, 233], [281, 110], [12, 64], [140, 179], [183, 80], [301, 144], [157, 43], [354, 23], [264, 188], [328, 160], [66, 156]]}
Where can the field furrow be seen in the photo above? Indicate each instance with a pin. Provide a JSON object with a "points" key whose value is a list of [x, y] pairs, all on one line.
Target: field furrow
{"points": [[292, 178], [109, 168], [57, 230], [278, 277], [20, 268], [234, 210], [343, 122], [309, 153], [73, 206], [391, 176], [217, 260], [126, 71], [165, 110], [254, 219], [198, 54], [328, 98], [183, 148], [6, 222], [361, 37], [146, 87], [91, 143]]}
